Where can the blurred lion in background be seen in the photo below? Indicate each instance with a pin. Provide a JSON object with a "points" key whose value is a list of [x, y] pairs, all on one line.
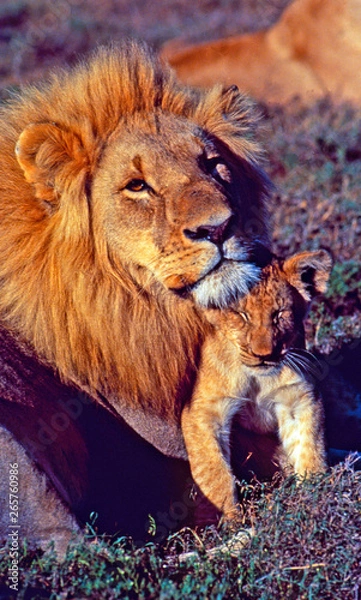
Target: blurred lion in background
{"points": [[312, 51]]}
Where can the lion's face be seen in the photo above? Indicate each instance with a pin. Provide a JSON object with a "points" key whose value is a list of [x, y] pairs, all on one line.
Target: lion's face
{"points": [[170, 202], [133, 201]]}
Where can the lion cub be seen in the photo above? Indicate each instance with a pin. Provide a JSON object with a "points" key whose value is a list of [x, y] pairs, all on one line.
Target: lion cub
{"points": [[253, 364]]}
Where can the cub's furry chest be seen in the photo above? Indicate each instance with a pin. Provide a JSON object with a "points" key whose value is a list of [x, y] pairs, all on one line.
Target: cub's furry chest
{"points": [[254, 393], [260, 390]]}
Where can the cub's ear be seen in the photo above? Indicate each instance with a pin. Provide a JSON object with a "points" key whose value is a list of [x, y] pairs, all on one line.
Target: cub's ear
{"points": [[51, 158], [309, 272]]}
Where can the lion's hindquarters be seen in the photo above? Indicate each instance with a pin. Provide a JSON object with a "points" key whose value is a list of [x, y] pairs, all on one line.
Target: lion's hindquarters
{"points": [[34, 510]]}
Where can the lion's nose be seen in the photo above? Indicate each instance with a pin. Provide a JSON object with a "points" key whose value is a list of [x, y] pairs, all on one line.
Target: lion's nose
{"points": [[216, 234]]}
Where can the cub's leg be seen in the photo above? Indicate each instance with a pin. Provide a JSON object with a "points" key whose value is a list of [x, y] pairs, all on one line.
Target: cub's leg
{"points": [[300, 417], [205, 427]]}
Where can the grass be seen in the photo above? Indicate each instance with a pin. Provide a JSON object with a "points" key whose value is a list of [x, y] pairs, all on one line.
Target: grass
{"points": [[36, 35], [306, 539], [305, 543], [315, 161]]}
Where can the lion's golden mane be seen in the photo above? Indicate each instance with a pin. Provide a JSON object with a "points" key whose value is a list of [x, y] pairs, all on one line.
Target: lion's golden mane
{"points": [[60, 289]]}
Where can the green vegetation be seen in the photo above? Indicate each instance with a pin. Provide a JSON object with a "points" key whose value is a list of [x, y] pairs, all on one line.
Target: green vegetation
{"points": [[304, 543], [315, 161]]}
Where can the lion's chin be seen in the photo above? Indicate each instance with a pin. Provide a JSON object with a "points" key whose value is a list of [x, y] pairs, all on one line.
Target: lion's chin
{"points": [[231, 280]]}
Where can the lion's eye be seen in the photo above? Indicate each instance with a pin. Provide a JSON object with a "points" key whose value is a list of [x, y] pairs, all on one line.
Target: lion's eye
{"points": [[137, 185], [218, 169]]}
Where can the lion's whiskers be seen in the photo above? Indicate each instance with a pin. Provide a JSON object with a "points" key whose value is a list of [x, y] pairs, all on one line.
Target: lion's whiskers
{"points": [[302, 360]]}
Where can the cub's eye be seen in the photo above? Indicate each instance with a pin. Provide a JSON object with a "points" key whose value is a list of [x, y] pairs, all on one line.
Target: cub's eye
{"points": [[280, 315], [244, 315], [277, 315], [218, 169], [137, 185]]}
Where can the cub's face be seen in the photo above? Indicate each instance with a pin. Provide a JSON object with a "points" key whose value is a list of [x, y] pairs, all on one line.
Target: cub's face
{"points": [[266, 323], [174, 205]]}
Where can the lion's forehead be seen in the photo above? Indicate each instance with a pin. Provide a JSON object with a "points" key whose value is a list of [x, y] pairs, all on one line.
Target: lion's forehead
{"points": [[166, 148], [165, 135], [155, 159]]}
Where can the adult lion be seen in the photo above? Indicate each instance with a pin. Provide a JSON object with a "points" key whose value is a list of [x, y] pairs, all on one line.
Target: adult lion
{"points": [[126, 199], [313, 50]]}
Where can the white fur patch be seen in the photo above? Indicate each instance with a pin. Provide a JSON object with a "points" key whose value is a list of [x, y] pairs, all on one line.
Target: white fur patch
{"points": [[230, 281]]}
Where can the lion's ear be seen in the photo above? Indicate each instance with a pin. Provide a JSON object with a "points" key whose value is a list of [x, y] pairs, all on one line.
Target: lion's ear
{"points": [[309, 272], [50, 158], [231, 117]]}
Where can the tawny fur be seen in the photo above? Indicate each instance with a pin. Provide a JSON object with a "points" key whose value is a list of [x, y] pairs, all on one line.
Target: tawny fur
{"points": [[106, 323], [311, 51], [248, 368], [42, 517]]}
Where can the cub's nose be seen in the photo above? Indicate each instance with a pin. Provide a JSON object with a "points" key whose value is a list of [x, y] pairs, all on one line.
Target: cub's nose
{"points": [[265, 355], [262, 346], [216, 234]]}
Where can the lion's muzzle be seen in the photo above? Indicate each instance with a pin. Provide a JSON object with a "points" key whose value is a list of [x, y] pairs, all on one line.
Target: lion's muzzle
{"points": [[213, 233]]}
